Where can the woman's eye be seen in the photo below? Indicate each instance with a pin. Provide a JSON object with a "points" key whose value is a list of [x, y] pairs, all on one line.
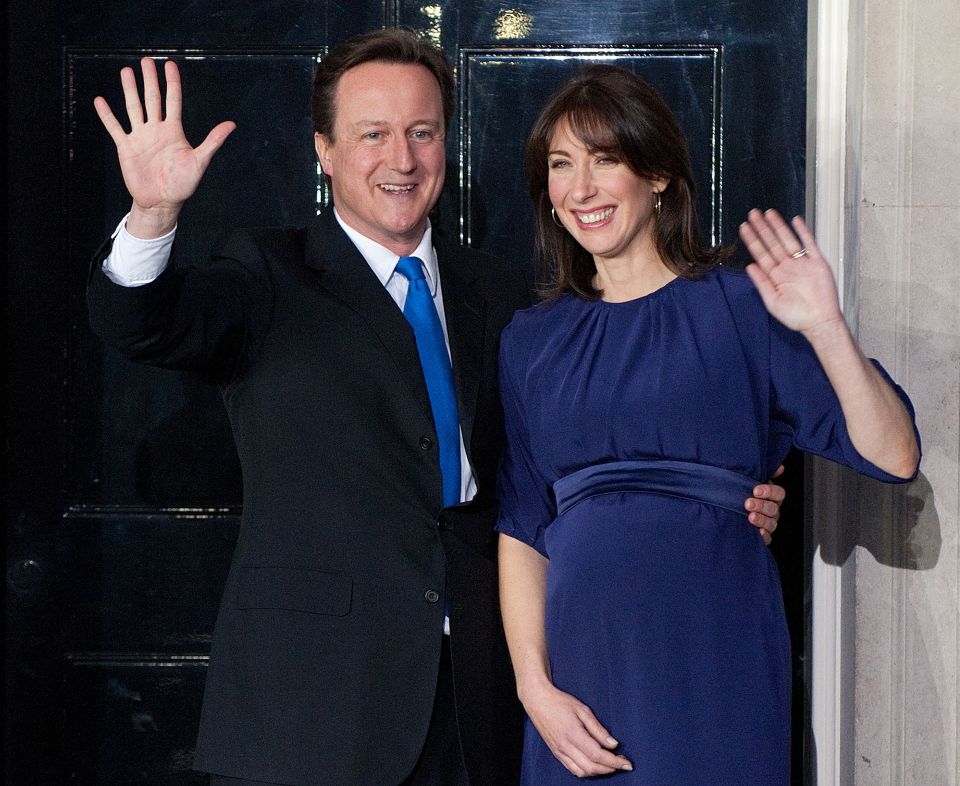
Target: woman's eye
{"points": [[558, 164]]}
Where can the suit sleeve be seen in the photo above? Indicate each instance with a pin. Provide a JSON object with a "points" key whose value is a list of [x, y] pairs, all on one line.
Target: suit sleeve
{"points": [[805, 410], [527, 505], [202, 318]]}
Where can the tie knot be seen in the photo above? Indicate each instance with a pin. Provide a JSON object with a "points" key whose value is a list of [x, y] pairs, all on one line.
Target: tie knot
{"points": [[410, 268]]}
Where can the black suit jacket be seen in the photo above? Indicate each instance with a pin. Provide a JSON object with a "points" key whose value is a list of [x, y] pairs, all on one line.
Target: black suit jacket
{"points": [[325, 655]]}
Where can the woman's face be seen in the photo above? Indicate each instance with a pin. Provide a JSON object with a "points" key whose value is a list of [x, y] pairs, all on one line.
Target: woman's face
{"points": [[605, 206]]}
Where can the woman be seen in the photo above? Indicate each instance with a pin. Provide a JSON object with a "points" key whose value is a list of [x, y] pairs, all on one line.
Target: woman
{"points": [[643, 399]]}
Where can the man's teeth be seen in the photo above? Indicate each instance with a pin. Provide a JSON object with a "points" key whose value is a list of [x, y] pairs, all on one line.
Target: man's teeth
{"points": [[396, 189], [593, 218]]}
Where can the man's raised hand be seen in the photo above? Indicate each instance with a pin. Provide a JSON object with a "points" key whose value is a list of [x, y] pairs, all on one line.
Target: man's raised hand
{"points": [[160, 168]]}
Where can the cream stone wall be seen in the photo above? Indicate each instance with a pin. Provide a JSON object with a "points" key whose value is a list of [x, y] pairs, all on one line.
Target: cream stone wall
{"points": [[904, 300]]}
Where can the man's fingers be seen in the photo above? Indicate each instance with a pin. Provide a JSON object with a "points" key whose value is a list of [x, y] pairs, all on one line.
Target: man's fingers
{"points": [[779, 471], [763, 507], [109, 120], [765, 523], [152, 101], [131, 97], [214, 141], [174, 91], [770, 491]]}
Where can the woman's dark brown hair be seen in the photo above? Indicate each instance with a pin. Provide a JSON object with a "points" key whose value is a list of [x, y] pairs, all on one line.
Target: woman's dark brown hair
{"points": [[615, 112]]}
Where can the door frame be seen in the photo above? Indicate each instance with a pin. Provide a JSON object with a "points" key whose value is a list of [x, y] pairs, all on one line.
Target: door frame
{"points": [[834, 113]]}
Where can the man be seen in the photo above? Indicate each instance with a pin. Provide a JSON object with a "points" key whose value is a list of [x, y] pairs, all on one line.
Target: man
{"points": [[366, 535]]}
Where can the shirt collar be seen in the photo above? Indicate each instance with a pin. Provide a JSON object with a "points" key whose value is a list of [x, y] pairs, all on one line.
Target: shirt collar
{"points": [[383, 261]]}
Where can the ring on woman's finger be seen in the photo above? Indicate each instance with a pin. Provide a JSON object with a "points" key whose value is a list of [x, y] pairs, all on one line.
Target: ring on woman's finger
{"points": [[801, 253]]}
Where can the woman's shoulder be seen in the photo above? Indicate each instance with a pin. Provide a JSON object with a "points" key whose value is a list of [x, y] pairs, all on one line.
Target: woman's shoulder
{"points": [[736, 286], [545, 312], [529, 325]]}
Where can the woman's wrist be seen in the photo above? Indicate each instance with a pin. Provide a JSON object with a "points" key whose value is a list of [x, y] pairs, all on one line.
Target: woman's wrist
{"points": [[532, 685]]}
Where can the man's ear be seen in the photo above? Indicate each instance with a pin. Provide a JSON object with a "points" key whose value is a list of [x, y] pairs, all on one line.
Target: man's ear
{"points": [[323, 145]]}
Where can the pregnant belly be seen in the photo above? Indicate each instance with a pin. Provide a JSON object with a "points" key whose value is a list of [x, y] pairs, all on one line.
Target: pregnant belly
{"points": [[682, 572]]}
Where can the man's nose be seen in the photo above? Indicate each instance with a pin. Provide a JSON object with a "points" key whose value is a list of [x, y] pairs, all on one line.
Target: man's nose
{"points": [[402, 158]]}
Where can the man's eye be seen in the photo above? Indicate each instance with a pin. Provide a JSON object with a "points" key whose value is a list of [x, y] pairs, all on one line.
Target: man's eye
{"points": [[373, 136], [422, 136]]}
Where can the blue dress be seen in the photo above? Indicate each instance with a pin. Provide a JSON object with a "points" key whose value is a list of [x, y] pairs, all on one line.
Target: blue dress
{"points": [[664, 611]]}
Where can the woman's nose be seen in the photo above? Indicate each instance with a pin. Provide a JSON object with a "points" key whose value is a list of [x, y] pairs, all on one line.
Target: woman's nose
{"points": [[583, 185]]}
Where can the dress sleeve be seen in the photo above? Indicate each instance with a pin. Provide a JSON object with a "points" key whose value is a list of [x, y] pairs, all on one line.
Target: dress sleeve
{"points": [[526, 498], [805, 411]]}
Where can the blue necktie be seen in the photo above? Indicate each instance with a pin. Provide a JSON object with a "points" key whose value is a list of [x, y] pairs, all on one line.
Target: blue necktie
{"points": [[422, 315]]}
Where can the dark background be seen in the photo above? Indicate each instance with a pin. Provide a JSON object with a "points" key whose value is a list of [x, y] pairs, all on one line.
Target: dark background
{"points": [[122, 484]]}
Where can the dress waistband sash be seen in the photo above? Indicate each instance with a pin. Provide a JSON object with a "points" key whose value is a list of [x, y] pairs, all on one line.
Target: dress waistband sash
{"points": [[701, 482]]}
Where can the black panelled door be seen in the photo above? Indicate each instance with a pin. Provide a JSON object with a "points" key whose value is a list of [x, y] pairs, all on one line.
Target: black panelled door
{"points": [[122, 482]]}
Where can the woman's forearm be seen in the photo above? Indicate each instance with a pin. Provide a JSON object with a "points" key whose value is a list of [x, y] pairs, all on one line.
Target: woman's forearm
{"points": [[523, 589], [878, 423]]}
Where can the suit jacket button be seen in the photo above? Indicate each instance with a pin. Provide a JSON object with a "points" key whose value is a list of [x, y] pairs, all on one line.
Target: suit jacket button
{"points": [[426, 443], [431, 596]]}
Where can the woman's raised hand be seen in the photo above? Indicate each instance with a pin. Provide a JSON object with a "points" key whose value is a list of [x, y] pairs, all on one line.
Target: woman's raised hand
{"points": [[792, 277], [160, 168]]}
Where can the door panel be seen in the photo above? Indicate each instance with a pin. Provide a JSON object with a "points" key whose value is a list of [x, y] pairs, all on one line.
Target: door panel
{"points": [[123, 488], [163, 438], [496, 86]]}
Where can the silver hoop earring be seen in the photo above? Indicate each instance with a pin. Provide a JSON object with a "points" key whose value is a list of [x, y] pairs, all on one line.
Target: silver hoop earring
{"points": [[556, 220], [656, 205]]}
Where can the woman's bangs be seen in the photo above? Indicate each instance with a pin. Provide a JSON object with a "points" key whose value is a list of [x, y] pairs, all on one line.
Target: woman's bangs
{"points": [[594, 130]]}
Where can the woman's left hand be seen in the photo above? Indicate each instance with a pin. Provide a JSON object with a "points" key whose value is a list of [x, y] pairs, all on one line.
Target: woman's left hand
{"points": [[791, 275]]}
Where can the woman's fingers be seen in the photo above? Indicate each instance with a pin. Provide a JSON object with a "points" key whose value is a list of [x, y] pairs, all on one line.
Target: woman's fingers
{"points": [[575, 736], [769, 238], [784, 239], [806, 236], [595, 729], [592, 742]]}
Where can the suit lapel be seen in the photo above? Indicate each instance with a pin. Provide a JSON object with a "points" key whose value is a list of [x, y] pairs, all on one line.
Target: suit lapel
{"points": [[345, 274], [464, 309]]}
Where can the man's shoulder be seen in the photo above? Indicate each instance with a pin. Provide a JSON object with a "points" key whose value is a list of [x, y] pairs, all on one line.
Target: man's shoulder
{"points": [[246, 242]]}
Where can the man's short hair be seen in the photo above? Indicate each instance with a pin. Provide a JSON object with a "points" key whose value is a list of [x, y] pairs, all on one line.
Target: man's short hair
{"points": [[392, 45]]}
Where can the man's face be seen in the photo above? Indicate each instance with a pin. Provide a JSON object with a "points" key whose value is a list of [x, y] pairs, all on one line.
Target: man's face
{"points": [[387, 163]]}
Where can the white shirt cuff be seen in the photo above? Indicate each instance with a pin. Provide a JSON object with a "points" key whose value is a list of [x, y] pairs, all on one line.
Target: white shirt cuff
{"points": [[134, 262]]}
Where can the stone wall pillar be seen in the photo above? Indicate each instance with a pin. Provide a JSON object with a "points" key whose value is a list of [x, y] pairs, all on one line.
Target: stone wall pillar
{"points": [[905, 172]]}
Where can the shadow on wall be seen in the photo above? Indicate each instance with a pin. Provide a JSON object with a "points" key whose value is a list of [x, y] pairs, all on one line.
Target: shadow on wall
{"points": [[897, 523], [900, 527]]}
